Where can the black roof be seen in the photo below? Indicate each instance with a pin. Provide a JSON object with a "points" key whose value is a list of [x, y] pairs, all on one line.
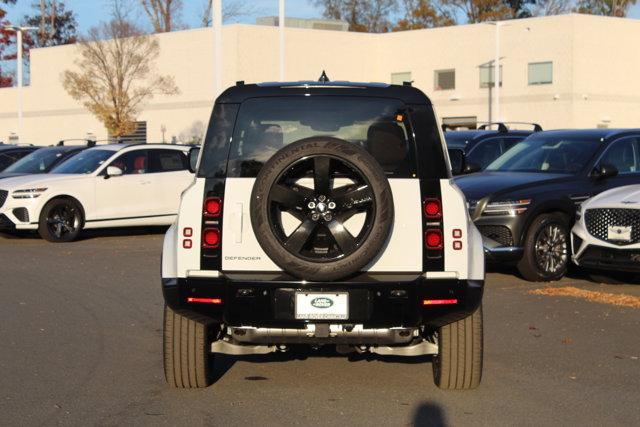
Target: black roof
{"points": [[7, 147], [242, 92], [587, 133]]}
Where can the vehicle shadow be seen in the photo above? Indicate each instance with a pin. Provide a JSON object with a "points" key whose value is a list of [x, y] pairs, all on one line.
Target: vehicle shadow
{"points": [[91, 234], [429, 414], [223, 363]]}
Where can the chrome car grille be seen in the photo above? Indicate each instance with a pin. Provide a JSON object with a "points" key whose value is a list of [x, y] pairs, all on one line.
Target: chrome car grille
{"points": [[598, 222], [3, 197]]}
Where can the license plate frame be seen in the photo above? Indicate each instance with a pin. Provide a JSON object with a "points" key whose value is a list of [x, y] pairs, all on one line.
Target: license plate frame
{"points": [[619, 233], [321, 305]]}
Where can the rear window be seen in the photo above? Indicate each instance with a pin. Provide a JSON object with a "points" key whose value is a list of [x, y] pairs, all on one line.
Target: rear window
{"points": [[378, 125]]}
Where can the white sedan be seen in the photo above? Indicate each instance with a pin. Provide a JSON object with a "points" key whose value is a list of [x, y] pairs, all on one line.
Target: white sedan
{"points": [[606, 235], [116, 185]]}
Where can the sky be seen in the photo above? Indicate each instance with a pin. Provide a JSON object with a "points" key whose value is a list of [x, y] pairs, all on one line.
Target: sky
{"points": [[91, 12]]}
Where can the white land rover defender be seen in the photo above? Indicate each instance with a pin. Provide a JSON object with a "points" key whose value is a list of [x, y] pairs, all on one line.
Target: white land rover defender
{"points": [[323, 213]]}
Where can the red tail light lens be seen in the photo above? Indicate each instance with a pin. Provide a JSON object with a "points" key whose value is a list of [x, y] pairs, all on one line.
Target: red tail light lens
{"points": [[439, 301], [433, 239], [211, 238], [205, 300], [213, 207], [432, 208]]}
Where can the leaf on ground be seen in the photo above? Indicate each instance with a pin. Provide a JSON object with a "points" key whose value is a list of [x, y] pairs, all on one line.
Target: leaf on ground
{"points": [[621, 300]]}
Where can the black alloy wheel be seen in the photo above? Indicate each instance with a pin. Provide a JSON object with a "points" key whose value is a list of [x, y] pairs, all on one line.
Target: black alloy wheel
{"points": [[60, 221], [321, 182], [322, 211], [546, 248]]}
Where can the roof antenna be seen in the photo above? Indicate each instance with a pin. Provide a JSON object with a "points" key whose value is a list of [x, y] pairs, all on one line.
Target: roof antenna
{"points": [[323, 78]]}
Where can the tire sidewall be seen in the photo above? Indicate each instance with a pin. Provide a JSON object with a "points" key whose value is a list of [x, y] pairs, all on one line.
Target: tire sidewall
{"points": [[383, 214], [43, 229]]}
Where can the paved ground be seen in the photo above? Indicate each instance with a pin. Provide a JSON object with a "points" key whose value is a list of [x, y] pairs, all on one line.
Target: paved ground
{"points": [[80, 334]]}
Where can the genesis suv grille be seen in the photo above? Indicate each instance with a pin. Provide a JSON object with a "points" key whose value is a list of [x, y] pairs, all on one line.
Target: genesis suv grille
{"points": [[499, 233], [599, 220], [3, 197]]}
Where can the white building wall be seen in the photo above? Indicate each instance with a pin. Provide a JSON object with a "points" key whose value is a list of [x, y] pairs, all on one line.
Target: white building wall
{"points": [[595, 73]]}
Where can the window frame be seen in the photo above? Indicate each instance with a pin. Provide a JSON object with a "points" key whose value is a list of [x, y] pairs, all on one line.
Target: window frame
{"points": [[539, 83], [436, 86], [400, 73], [636, 153], [185, 161], [120, 155], [490, 68]]}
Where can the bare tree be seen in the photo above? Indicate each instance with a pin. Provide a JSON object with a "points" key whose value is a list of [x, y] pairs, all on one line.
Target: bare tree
{"points": [[230, 10], [372, 16], [163, 14], [618, 8], [115, 75], [552, 7]]}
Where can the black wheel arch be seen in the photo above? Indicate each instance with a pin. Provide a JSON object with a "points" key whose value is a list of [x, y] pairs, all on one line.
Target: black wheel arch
{"points": [[564, 207]]}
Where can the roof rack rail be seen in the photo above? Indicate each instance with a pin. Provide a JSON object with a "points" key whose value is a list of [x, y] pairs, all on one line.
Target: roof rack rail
{"points": [[89, 142], [502, 126]]}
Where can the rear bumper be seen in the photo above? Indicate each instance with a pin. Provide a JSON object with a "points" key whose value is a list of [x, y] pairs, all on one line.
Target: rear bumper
{"points": [[374, 302]]}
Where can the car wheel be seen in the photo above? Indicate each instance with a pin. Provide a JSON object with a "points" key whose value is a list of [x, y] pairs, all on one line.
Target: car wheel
{"points": [[546, 249], [188, 361], [458, 364], [60, 221], [612, 277], [343, 181]]}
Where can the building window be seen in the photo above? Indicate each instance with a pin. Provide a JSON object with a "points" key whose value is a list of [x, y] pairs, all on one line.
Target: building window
{"points": [[540, 73], [445, 79], [486, 75], [139, 136], [400, 78]]}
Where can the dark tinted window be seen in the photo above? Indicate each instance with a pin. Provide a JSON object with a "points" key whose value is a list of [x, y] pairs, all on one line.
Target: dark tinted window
{"points": [[5, 161], [85, 162], [542, 152], [265, 125], [624, 155], [486, 151], [167, 161], [133, 162], [39, 161]]}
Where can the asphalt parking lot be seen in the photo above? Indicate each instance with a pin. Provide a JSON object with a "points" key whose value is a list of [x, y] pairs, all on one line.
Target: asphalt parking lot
{"points": [[80, 327]]}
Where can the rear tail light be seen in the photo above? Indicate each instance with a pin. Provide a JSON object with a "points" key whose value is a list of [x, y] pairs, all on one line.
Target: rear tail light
{"points": [[432, 208], [205, 300], [211, 238], [213, 207], [433, 239], [439, 301]]}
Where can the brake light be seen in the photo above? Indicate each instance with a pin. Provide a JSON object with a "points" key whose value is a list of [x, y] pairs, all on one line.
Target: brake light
{"points": [[213, 207], [432, 208], [211, 238], [205, 300], [433, 239], [439, 301]]}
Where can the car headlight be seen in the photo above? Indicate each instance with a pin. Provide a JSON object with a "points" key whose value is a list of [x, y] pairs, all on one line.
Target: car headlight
{"points": [[30, 193], [506, 208]]}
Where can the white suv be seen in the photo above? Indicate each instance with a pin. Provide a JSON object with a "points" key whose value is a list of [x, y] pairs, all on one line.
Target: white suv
{"points": [[115, 185], [606, 236], [323, 214]]}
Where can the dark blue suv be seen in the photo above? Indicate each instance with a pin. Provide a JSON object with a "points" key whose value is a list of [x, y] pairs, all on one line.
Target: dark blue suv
{"points": [[483, 145]]}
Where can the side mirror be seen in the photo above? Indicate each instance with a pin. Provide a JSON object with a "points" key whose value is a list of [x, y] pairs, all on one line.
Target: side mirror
{"points": [[194, 152], [457, 158], [471, 168], [113, 171], [606, 170]]}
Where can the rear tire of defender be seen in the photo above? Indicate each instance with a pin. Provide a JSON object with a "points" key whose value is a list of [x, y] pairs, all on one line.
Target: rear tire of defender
{"points": [[458, 365], [188, 360]]}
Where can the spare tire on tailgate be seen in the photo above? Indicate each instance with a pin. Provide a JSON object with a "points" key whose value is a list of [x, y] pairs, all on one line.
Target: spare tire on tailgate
{"points": [[301, 202]]}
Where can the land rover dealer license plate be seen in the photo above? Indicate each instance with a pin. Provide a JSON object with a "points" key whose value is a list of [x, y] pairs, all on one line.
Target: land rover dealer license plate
{"points": [[322, 305], [618, 232]]}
